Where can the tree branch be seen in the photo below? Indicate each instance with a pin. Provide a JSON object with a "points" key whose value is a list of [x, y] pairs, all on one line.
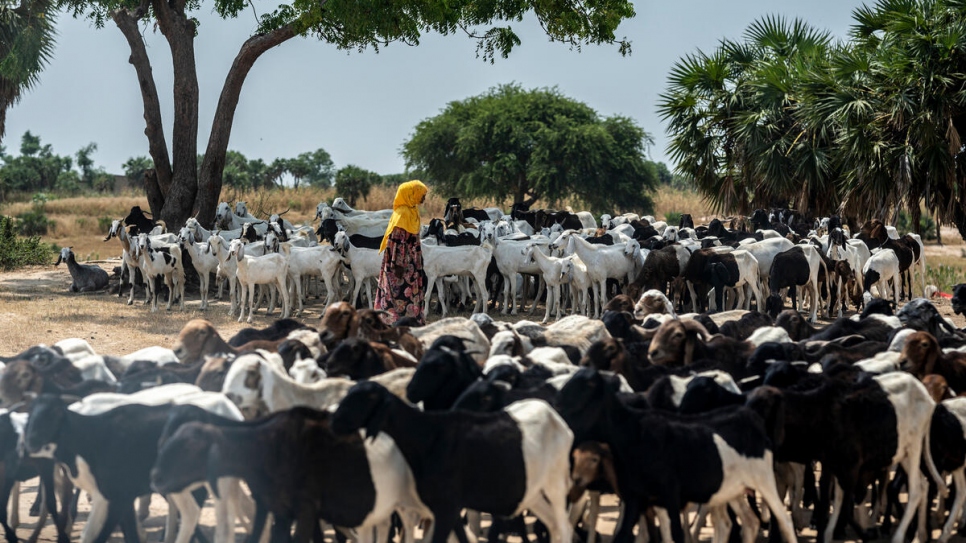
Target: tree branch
{"points": [[212, 168], [127, 22]]}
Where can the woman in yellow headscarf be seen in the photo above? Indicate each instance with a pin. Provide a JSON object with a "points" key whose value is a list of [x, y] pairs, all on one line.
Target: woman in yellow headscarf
{"points": [[402, 283]]}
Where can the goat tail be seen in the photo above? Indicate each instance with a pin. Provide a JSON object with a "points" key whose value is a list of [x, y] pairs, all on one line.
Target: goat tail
{"points": [[933, 472]]}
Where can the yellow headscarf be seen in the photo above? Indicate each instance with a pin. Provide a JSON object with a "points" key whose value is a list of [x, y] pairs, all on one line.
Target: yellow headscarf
{"points": [[405, 209]]}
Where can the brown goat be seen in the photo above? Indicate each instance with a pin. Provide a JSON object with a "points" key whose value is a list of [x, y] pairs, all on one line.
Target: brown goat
{"points": [[592, 462], [342, 321], [676, 341], [922, 356], [21, 377], [374, 329], [199, 338], [621, 302], [938, 387], [337, 323], [213, 372]]}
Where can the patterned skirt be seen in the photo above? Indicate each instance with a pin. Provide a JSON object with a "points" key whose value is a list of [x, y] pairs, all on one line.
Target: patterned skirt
{"points": [[401, 294]]}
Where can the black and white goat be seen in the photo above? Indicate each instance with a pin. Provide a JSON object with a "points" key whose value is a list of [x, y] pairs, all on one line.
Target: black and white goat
{"points": [[668, 462], [501, 463]]}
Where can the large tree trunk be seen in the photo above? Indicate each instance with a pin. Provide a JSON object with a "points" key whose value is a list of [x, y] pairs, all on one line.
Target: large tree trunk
{"points": [[179, 30], [158, 183], [213, 166]]}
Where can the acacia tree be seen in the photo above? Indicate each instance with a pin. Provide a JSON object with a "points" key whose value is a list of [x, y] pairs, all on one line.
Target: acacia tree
{"points": [[533, 145], [177, 185]]}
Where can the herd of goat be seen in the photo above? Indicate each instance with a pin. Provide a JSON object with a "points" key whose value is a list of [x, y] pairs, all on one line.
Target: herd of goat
{"points": [[759, 419], [470, 255]]}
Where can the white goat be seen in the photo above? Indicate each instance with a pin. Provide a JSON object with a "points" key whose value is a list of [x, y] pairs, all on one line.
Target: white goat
{"points": [[259, 387], [553, 276], [466, 260], [319, 261], [603, 262], [882, 267], [764, 251], [575, 274], [270, 269], [204, 261], [510, 260], [128, 261], [364, 264]]}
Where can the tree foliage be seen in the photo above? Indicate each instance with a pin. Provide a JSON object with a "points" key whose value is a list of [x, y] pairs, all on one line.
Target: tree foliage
{"points": [[135, 168], [534, 145], [26, 44], [37, 168], [315, 168], [353, 183], [865, 127], [177, 185]]}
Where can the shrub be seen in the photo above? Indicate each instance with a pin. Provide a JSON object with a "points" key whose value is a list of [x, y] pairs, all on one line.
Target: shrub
{"points": [[35, 221], [17, 252], [926, 225], [104, 224], [672, 218], [944, 276]]}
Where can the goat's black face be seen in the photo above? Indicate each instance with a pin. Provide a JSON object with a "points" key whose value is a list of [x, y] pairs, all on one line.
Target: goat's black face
{"points": [[481, 397], [47, 416], [580, 401], [365, 406], [182, 459], [348, 353], [433, 371]]}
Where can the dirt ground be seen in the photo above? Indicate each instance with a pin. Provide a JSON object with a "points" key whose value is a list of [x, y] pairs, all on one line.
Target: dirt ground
{"points": [[35, 307]]}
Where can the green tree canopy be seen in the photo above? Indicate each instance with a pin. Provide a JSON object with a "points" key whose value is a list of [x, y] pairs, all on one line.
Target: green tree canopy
{"points": [[733, 120], [177, 185], [534, 145], [26, 44], [865, 128], [37, 168], [135, 168], [353, 183], [315, 168]]}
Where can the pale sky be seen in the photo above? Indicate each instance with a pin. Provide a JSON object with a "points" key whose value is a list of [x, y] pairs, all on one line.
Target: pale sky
{"points": [[306, 95]]}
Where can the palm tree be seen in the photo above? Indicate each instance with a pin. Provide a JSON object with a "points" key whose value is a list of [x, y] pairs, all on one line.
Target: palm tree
{"points": [[733, 117], [26, 45], [902, 147]]}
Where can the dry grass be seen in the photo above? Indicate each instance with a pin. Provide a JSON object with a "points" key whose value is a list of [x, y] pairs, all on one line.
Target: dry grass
{"points": [[667, 200]]}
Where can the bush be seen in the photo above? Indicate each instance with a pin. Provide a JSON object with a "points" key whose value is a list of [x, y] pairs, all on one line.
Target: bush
{"points": [[672, 218], [943, 276], [17, 252], [926, 225], [35, 221], [104, 224]]}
